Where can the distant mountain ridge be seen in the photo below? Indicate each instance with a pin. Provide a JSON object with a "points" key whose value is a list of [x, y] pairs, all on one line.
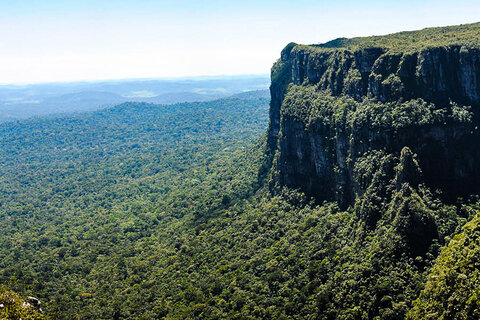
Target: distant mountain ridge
{"points": [[24, 101]]}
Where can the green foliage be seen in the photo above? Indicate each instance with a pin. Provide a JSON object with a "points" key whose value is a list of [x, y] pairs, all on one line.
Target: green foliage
{"points": [[408, 171], [316, 107], [452, 289], [374, 174], [466, 35], [12, 307]]}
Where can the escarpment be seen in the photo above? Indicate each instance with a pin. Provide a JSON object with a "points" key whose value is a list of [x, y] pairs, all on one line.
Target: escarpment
{"points": [[437, 74], [335, 104]]}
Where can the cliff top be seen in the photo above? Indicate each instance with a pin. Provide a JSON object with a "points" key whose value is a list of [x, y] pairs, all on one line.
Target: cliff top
{"points": [[465, 35]]}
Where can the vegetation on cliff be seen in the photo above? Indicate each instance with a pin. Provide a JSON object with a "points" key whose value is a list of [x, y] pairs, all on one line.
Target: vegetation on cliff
{"points": [[463, 35], [324, 138], [319, 108]]}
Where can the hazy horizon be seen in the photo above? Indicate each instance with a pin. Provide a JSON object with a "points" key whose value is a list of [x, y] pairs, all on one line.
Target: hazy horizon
{"points": [[140, 79], [22, 101], [73, 41]]}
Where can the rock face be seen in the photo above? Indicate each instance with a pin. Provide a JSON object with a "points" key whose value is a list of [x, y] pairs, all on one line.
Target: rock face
{"points": [[435, 74], [32, 302], [320, 158]]}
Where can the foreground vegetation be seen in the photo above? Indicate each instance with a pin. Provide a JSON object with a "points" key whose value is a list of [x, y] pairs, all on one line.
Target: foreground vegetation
{"points": [[452, 290], [15, 307]]}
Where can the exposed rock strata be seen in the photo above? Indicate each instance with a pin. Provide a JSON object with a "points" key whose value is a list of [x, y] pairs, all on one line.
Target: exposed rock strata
{"points": [[321, 162]]}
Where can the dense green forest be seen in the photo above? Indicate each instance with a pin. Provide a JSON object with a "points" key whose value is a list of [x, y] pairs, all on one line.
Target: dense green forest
{"points": [[92, 205], [150, 212], [359, 202], [452, 289]]}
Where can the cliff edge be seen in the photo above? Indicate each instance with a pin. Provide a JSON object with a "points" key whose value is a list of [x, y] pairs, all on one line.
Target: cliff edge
{"points": [[338, 108]]}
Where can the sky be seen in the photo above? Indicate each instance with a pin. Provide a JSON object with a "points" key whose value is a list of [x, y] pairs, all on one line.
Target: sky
{"points": [[66, 40]]}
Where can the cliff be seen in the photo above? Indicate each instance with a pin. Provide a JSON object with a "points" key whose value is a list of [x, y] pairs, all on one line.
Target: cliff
{"points": [[337, 106]]}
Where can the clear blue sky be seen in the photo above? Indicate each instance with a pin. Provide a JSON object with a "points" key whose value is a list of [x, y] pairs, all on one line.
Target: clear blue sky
{"points": [[62, 40]]}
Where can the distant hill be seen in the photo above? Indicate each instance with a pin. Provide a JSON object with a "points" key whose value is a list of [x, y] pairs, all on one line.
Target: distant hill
{"points": [[25, 101]]}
